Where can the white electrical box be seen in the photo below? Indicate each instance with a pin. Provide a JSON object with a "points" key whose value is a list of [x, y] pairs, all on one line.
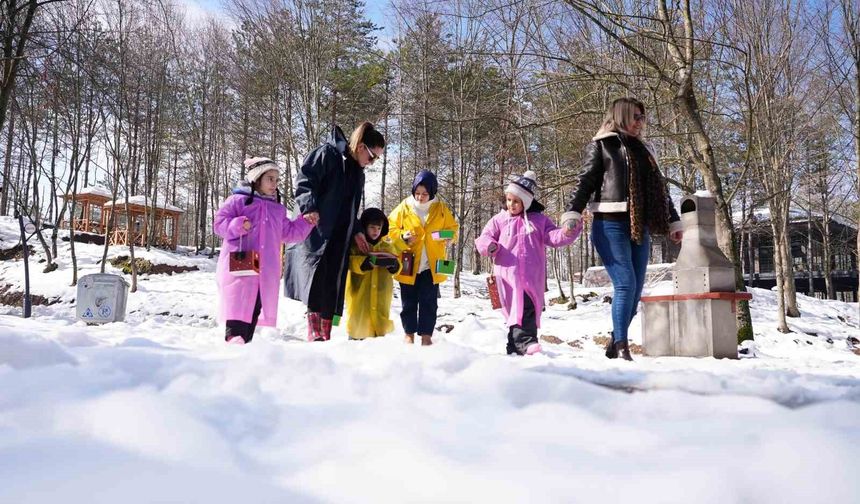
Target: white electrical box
{"points": [[101, 298]]}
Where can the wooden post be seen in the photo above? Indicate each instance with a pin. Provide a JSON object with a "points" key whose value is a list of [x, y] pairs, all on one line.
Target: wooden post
{"points": [[143, 230], [85, 215], [175, 219]]}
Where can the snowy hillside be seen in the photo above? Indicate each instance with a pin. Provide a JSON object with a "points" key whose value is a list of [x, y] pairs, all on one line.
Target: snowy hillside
{"points": [[159, 409]]}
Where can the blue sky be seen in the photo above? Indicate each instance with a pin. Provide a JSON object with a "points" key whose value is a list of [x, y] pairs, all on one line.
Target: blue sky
{"points": [[374, 8]]}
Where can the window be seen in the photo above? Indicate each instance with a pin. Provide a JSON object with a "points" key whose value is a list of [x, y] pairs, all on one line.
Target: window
{"points": [[765, 255]]}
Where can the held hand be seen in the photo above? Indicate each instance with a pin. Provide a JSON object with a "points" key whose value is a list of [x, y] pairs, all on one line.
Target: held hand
{"points": [[246, 225], [677, 236], [361, 243], [409, 238], [570, 226], [313, 218]]}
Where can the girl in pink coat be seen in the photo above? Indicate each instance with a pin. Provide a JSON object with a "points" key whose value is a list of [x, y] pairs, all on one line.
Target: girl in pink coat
{"points": [[253, 219], [517, 239]]}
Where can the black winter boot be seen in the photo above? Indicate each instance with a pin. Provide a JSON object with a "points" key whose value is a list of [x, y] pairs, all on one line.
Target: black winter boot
{"points": [[623, 350], [611, 352]]}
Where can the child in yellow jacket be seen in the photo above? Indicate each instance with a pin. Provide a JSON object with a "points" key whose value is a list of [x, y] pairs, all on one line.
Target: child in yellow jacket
{"points": [[369, 287], [424, 226]]}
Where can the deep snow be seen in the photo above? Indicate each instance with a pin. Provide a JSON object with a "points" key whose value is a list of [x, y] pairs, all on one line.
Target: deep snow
{"points": [[159, 409]]}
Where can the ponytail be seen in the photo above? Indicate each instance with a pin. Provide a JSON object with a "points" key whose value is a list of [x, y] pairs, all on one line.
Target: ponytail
{"points": [[365, 134]]}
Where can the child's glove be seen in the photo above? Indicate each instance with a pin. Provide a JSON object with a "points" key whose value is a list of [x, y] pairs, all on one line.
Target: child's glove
{"points": [[366, 265], [570, 222]]}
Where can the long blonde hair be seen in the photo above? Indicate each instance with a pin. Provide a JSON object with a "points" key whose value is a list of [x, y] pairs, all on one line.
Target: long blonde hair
{"points": [[620, 115]]}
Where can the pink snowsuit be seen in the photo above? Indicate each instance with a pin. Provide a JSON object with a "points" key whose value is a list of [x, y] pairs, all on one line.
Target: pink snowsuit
{"points": [[520, 260], [270, 226]]}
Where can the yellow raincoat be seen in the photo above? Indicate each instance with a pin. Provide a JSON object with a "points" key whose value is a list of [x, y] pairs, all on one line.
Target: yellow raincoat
{"points": [[368, 295], [403, 218]]}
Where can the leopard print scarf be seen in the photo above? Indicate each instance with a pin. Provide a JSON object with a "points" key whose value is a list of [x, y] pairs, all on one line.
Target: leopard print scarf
{"points": [[655, 213]]}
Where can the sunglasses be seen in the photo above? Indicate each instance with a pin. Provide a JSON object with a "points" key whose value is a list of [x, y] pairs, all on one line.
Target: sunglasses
{"points": [[638, 117], [373, 157]]}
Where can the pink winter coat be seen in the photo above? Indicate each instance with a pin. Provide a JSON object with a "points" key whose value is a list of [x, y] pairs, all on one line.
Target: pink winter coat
{"points": [[520, 260], [270, 226]]}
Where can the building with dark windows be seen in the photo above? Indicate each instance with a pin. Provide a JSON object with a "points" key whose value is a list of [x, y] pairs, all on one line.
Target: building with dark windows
{"points": [[807, 253]]}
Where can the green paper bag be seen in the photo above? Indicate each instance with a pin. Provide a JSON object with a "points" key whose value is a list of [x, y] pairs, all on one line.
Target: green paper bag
{"points": [[445, 267], [443, 234]]}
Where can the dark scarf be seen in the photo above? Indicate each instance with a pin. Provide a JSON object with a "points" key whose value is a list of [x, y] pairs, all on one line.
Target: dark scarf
{"points": [[646, 200]]}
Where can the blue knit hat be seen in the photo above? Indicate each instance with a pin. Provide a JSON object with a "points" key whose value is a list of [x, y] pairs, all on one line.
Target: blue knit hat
{"points": [[428, 180], [524, 188]]}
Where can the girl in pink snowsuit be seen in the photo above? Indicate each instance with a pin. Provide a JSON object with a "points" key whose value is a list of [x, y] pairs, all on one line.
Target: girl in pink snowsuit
{"points": [[517, 239], [253, 219]]}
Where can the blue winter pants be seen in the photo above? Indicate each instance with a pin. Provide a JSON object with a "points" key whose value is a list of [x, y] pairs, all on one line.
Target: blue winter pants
{"points": [[419, 304], [625, 262]]}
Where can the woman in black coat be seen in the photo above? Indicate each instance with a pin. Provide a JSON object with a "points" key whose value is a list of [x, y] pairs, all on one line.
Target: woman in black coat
{"points": [[328, 190]]}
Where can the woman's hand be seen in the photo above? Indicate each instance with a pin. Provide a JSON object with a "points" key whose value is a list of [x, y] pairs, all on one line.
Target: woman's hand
{"points": [[246, 225], [361, 243], [492, 249], [408, 237], [313, 218]]}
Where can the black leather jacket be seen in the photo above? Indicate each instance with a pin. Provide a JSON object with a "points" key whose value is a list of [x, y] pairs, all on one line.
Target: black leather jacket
{"points": [[603, 185]]}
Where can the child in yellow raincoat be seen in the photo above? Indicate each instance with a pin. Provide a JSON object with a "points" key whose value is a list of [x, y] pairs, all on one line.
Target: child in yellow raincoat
{"points": [[369, 287], [423, 225]]}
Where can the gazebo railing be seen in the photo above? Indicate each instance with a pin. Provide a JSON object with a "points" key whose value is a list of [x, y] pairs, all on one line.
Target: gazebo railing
{"points": [[87, 226]]}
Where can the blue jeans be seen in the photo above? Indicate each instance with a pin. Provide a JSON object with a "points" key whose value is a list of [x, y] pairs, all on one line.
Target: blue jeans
{"points": [[625, 262]]}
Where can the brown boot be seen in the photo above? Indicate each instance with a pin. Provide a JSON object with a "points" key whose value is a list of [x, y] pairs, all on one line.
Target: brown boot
{"points": [[611, 352], [325, 331], [623, 350], [426, 339], [409, 339], [314, 326]]}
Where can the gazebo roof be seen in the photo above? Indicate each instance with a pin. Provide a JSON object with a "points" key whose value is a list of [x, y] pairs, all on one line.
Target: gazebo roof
{"points": [[141, 201], [99, 192]]}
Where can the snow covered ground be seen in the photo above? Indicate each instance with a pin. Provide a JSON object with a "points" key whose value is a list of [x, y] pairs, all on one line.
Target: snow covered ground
{"points": [[159, 409]]}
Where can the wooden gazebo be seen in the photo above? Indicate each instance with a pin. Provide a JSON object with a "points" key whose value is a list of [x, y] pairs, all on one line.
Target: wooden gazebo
{"points": [[165, 233], [89, 202]]}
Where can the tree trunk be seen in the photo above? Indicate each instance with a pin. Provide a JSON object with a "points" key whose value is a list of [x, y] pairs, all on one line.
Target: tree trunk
{"points": [[72, 230], [54, 212], [809, 250], [826, 258], [702, 154], [14, 44], [857, 138], [779, 266], [7, 168], [790, 292]]}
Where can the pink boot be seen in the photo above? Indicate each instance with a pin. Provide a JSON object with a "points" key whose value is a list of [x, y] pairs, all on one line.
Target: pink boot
{"points": [[325, 329], [314, 327], [236, 340], [533, 349]]}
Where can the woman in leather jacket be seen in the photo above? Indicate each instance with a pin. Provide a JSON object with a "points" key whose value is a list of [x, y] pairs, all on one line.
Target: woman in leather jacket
{"points": [[621, 185]]}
